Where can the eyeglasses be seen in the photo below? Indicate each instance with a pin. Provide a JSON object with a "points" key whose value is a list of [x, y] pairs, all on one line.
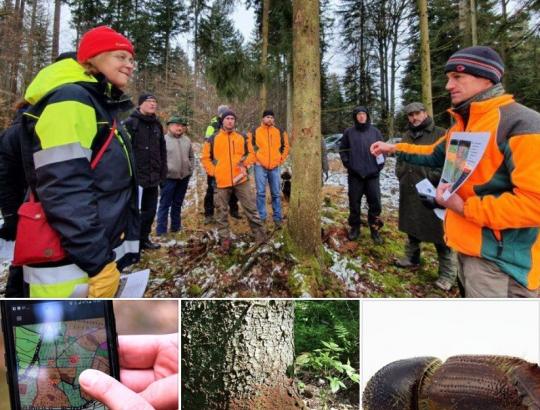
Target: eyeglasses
{"points": [[126, 59]]}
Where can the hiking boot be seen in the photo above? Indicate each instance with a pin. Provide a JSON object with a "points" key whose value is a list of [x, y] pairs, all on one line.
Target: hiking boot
{"points": [[278, 224], [405, 262], [354, 233], [235, 214], [148, 244], [260, 236], [226, 245], [376, 236], [209, 220], [444, 284]]}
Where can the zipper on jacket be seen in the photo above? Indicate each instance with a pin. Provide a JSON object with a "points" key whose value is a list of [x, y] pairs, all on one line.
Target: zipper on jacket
{"points": [[230, 157], [498, 236], [269, 147]]}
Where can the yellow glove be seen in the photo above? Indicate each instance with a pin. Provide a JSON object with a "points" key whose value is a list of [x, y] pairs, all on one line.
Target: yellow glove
{"points": [[105, 283]]}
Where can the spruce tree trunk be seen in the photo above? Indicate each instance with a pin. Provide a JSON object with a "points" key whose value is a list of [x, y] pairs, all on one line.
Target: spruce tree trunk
{"points": [[236, 355], [474, 32], [56, 30], [425, 57], [264, 55], [304, 208]]}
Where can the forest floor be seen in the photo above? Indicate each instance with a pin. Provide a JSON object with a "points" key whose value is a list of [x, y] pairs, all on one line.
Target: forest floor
{"points": [[314, 391], [189, 263]]}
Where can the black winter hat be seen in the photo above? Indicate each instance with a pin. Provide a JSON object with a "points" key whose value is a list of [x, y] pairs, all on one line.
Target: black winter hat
{"points": [[226, 113], [268, 112], [146, 96], [480, 61]]}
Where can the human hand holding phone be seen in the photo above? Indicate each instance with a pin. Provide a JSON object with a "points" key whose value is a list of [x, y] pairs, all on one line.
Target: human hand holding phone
{"points": [[149, 375]]}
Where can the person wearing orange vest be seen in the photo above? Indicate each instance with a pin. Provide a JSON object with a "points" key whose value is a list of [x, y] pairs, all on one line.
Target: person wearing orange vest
{"points": [[271, 146], [493, 219], [226, 156]]}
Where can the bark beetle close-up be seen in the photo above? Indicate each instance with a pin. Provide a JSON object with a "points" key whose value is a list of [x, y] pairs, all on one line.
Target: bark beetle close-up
{"points": [[460, 383]]}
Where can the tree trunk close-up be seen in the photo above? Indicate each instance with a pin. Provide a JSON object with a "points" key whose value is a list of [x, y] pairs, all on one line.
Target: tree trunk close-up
{"points": [[237, 355]]}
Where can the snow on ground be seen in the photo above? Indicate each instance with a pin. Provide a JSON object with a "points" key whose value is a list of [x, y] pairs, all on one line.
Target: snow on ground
{"points": [[337, 182]]}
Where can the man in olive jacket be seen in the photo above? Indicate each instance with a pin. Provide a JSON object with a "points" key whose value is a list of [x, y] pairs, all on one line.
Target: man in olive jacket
{"points": [[418, 222]]}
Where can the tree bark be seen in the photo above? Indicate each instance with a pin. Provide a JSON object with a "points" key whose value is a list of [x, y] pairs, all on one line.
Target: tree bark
{"points": [[264, 54], [425, 57], [305, 220], [474, 32], [236, 355], [56, 29]]}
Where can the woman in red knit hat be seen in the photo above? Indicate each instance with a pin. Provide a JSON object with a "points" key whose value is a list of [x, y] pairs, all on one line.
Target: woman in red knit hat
{"points": [[82, 171]]}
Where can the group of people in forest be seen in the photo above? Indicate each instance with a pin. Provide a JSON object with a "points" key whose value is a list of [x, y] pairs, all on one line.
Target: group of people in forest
{"points": [[91, 173]]}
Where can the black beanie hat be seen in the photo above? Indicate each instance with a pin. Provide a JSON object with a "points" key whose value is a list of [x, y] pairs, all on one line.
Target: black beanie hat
{"points": [[480, 61], [146, 96], [226, 113], [268, 112]]}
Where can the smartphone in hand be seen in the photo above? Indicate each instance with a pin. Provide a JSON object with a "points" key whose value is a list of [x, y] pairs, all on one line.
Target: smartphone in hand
{"points": [[49, 343]]}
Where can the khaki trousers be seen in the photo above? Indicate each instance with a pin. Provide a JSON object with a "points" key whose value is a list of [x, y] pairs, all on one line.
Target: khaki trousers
{"points": [[484, 279], [246, 197]]}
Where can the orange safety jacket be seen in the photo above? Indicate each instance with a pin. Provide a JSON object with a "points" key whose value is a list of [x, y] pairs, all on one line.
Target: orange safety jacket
{"points": [[501, 218], [222, 155], [271, 145]]}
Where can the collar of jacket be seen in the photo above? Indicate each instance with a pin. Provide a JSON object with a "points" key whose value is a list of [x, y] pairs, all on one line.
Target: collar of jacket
{"points": [[145, 117], [174, 136], [426, 125], [480, 103], [114, 98]]}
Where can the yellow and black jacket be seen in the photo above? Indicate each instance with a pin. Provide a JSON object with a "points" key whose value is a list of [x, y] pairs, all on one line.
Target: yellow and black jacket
{"points": [[94, 211], [501, 218]]}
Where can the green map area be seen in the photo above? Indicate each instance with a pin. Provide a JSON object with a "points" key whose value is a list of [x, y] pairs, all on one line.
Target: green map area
{"points": [[50, 358]]}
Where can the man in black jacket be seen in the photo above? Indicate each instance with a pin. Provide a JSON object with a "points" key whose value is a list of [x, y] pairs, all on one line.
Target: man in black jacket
{"points": [[150, 159], [13, 187], [363, 173]]}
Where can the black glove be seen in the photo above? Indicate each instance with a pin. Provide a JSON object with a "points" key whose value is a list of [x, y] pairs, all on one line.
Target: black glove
{"points": [[8, 231], [429, 202]]}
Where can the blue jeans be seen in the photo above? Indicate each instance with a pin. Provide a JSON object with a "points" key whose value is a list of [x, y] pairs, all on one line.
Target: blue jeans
{"points": [[172, 196], [273, 177]]}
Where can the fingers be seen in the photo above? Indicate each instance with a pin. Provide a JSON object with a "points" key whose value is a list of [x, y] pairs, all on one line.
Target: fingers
{"points": [[111, 392], [163, 394], [137, 380], [141, 351]]}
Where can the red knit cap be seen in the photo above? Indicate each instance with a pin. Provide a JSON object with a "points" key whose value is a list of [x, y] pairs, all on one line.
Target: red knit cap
{"points": [[101, 39]]}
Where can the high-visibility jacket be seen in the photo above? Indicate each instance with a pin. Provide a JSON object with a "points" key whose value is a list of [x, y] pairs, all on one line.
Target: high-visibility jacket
{"points": [[94, 211], [270, 144], [501, 218], [222, 155]]}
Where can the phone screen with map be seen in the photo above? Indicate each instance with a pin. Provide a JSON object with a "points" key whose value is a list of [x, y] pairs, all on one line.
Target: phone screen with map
{"points": [[49, 343]]}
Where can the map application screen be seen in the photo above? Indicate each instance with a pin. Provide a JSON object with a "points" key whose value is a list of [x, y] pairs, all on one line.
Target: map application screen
{"points": [[54, 343]]}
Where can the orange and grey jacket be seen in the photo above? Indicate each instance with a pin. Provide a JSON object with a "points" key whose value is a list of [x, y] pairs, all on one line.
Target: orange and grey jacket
{"points": [[222, 154], [271, 146], [501, 218]]}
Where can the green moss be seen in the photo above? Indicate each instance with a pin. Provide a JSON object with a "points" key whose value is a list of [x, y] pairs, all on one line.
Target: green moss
{"points": [[195, 291]]}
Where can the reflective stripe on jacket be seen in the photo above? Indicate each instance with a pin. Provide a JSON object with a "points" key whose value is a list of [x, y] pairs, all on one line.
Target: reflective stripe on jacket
{"points": [[501, 218], [267, 146], [94, 211], [68, 280]]}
